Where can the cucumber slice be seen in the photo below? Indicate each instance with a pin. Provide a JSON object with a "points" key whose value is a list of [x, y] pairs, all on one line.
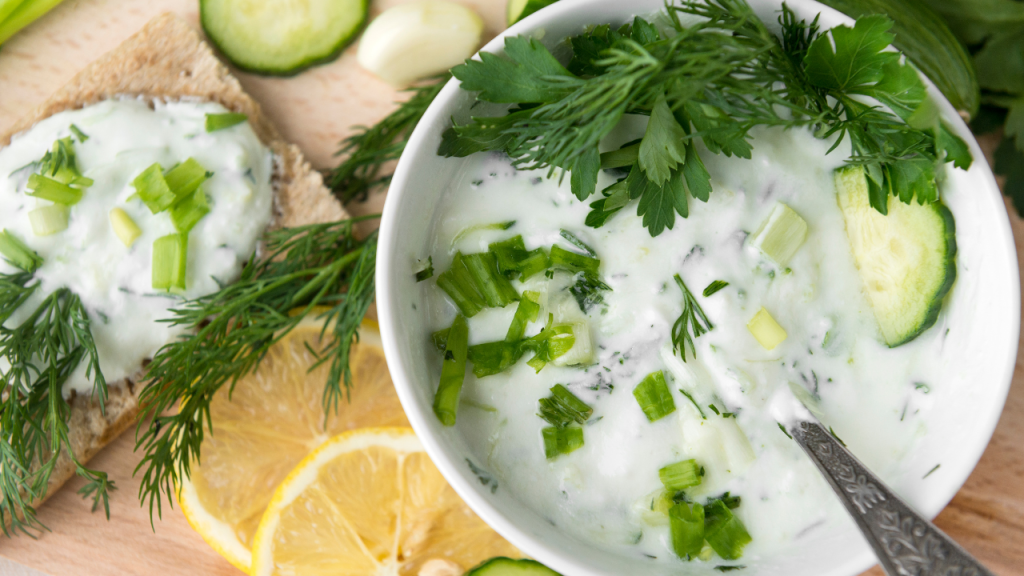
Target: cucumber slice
{"points": [[907, 260], [516, 10], [281, 38], [502, 566]]}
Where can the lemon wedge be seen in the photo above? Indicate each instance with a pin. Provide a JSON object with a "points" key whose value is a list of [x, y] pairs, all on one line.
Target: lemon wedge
{"points": [[370, 502], [272, 420]]}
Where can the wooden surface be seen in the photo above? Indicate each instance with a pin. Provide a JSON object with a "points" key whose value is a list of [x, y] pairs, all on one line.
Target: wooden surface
{"points": [[315, 110]]}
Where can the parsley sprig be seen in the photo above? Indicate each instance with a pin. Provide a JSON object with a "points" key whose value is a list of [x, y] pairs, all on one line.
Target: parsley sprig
{"points": [[715, 80]]}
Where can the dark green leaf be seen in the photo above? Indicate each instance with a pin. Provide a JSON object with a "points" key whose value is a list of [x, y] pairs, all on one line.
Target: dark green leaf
{"points": [[913, 178], [664, 145], [1009, 162], [698, 181], [583, 178], [1000, 63], [858, 58], [521, 77]]}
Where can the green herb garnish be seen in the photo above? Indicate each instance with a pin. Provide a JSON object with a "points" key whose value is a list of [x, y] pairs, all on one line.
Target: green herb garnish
{"points": [[427, 271], [724, 531], [49, 189], [453, 372], [216, 122], [82, 136], [692, 323], [558, 441], [715, 287], [153, 189], [563, 408], [680, 475], [686, 525], [694, 402], [18, 254], [654, 397]]}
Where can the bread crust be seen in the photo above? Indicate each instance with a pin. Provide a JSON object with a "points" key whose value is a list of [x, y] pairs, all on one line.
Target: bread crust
{"points": [[167, 60]]}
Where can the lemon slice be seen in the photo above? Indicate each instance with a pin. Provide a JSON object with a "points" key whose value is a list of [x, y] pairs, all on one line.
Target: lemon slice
{"points": [[369, 502], [272, 420]]}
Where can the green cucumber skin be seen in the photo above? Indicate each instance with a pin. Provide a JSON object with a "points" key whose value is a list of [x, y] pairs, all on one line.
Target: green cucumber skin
{"points": [[502, 566], [950, 276], [925, 38], [301, 66]]}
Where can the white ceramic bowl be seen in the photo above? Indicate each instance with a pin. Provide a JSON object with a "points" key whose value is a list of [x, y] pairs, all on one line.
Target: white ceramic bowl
{"points": [[961, 423]]}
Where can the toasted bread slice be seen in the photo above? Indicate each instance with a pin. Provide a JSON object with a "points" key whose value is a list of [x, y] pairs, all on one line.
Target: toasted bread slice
{"points": [[167, 60]]}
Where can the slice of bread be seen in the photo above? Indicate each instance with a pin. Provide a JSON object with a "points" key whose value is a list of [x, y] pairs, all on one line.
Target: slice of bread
{"points": [[167, 60]]}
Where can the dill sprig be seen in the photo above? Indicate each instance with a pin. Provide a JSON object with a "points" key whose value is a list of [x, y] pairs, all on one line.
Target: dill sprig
{"points": [[41, 353], [366, 152], [231, 330], [692, 323]]}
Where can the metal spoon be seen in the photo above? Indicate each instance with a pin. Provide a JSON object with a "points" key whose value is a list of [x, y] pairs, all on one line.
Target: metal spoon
{"points": [[906, 543]]}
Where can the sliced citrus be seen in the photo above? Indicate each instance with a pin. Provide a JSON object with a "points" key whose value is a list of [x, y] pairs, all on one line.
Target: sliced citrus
{"points": [[369, 503], [272, 420]]}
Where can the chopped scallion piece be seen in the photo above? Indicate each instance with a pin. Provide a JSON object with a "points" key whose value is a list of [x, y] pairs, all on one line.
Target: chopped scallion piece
{"points": [[563, 408], [152, 188], [440, 339], [715, 287], [185, 178], [479, 227], [654, 397], [82, 137], [458, 283], [724, 531], [553, 341], [536, 261], [686, 522], [781, 235], [526, 312], [427, 272], [731, 502], [216, 122], [681, 475], [453, 372], [49, 220], [558, 441], [573, 262], [59, 162], [170, 256], [575, 241], [766, 330], [52, 190], [17, 253], [188, 211], [496, 290], [509, 254], [582, 350], [494, 357], [126, 229]]}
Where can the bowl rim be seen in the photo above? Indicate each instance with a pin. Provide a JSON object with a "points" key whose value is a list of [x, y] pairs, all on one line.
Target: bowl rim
{"points": [[468, 486]]}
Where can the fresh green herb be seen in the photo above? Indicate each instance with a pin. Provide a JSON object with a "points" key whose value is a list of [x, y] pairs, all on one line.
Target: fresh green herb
{"points": [[587, 291], [573, 262], [550, 343], [153, 189], [216, 122], [930, 471], [48, 220], [170, 257], [724, 531], [17, 253], [479, 227], [52, 190], [654, 397], [840, 440], [563, 408], [739, 75], [692, 323], [40, 354], [526, 312], [922, 387], [483, 476], [726, 568], [575, 241], [731, 502], [185, 178], [494, 287], [188, 211], [694, 402], [461, 287], [230, 331], [714, 409], [370, 150], [784, 431], [61, 164], [558, 441], [453, 372], [427, 272], [715, 287], [493, 358], [686, 525], [680, 475], [82, 136]]}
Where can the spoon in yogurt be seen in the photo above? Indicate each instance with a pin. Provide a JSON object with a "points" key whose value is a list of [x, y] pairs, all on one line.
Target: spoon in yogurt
{"points": [[906, 543]]}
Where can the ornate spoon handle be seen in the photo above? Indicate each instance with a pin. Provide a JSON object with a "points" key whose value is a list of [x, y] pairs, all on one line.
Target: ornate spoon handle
{"points": [[906, 543]]}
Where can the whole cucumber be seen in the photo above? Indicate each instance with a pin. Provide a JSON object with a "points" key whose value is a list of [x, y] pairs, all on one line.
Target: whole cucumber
{"points": [[928, 42]]}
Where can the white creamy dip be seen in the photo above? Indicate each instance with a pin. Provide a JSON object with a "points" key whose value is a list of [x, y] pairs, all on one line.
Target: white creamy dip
{"points": [[114, 282], [870, 394]]}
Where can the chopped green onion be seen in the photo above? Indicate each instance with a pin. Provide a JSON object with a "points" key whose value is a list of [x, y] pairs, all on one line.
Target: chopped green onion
{"points": [[188, 211], [494, 357], [526, 312], [536, 261], [553, 341], [509, 253], [563, 408], [82, 137], [715, 287], [558, 441], [52, 190], [440, 339], [427, 272], [496, 290], [216, 122], [582, 350], [152, 188], [81, 182], [59, 162], [17, 253], [575, 241], [49, 219], [125, 228], [170, 256], [453, 372], [724, 531], [495, 226], [681, 475], [781, 235], [573, 262], [185, 178], [731, 502], [654, 397], [587, 291], [766, 330], [458, 283], [686, 522]]}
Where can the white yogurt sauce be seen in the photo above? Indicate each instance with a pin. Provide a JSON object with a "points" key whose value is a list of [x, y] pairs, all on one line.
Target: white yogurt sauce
{"points": [[599, 493], [114, 282]]}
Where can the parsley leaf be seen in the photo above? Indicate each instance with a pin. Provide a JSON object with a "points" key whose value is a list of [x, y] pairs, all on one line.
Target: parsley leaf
{"points": [[658, 204], [524, 77], [858, 58], [664, 145]]}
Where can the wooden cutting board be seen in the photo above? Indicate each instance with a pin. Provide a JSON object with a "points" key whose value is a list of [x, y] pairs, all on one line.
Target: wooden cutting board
{"points": [[315, 110]]}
